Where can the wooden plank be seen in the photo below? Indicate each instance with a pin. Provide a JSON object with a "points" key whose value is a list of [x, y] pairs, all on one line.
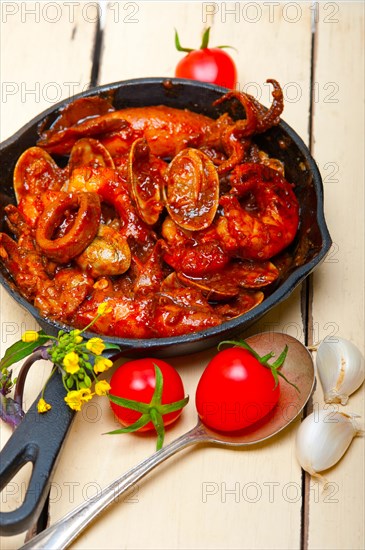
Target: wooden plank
{"points": [[46, 54], [135, 47], [336, 516], [176, 502], [139, 38]]}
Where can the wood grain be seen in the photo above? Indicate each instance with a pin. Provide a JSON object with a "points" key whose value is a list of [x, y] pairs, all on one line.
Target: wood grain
{"points": [[208, 497], [336, 516], [45, 56], [247, 485]]}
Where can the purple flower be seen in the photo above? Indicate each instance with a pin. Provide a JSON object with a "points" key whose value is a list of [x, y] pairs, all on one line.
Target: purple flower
{"points": [[10, 411]]}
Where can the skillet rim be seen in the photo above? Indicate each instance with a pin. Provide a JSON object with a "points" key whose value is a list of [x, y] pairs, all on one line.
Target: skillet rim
{"points": [[197, 341]]}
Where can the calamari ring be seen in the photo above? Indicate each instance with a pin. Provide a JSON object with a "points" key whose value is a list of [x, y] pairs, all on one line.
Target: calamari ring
{"points": [[79, 235]]}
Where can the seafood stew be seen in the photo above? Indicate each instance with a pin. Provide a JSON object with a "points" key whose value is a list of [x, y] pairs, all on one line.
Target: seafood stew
{"points": [[180, 235]]}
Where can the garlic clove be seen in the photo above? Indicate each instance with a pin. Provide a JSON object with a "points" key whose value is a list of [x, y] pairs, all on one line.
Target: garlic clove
{"points": [[323, 438], [340, 367]]}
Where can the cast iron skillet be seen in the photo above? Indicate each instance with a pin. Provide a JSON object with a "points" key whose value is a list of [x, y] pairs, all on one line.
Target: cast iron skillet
{"points": [[39, 437]]}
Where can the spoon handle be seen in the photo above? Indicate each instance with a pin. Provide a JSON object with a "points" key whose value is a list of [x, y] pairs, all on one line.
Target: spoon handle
{"points": [[64, 531]]}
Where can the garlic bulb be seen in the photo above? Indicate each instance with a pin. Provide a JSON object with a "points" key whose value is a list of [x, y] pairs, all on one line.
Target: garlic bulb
{"points": [[323, 438], [340, 366]]}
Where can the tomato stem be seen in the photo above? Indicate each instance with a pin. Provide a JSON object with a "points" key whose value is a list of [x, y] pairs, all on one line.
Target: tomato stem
{"points": [[150, 412], [205, 39], [178, 45], [203, 45], [274, 367], [142, 421], [280, 360], [172, 407], [157, 421], [157, 394], [130, 404], [267, 357]]}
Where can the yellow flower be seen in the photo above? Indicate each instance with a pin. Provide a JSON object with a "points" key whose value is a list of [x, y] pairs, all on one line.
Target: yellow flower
{"points": [[76, 335], [71, 362], [102, 387], [76, 398], [104, 308], [102, 364], [95, 345], [30, 336], [43, 406]]}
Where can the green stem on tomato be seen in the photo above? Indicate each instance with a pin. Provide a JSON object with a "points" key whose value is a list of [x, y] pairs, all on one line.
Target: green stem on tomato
{"points": [[178, 45], [205, 39], [157, 394], [140, 423], [172, 407], [203, 45], [157, 421], [130, 404], [280, 360], [267, 357], [274, 367], [151, 412]]}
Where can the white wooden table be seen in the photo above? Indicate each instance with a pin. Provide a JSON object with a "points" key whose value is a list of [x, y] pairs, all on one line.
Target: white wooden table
{"points": [[211, 498]]}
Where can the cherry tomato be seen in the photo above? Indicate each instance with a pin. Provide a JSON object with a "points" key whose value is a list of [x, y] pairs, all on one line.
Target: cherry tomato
{"points": [[212, 65], [235, 391], [136, 380], [208, 65]]}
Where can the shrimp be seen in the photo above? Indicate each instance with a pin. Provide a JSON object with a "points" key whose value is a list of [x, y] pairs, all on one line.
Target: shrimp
{"points": [[261, 213]]}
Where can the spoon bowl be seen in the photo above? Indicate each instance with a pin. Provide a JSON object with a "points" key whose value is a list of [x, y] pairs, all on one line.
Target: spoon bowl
{"points": [[298, 368]]}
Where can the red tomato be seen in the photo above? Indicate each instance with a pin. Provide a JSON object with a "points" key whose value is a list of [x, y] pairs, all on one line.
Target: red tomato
{"points": [[235, 391], [136, 380], [212, 65], [206, 64]]}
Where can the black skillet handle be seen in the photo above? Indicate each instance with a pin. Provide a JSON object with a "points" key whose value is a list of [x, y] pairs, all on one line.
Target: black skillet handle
{"points": [[37, 439]]}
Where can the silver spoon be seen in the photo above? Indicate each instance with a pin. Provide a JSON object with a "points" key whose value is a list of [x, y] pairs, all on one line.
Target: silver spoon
{"points": [[298, 368]]}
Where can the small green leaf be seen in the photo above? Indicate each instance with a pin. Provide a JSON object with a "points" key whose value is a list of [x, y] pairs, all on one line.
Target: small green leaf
{"points": [[130, 404], [157, 421], [236, 343], [172, 407], [178, 45], [111, 346], [288, 381], [241, 344], [205, 39], [274, 372], [152, 411], [280, 360], [266, 357], [230, 47], [140, 423], [274, 367], [157, 394], [20, 350]]}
